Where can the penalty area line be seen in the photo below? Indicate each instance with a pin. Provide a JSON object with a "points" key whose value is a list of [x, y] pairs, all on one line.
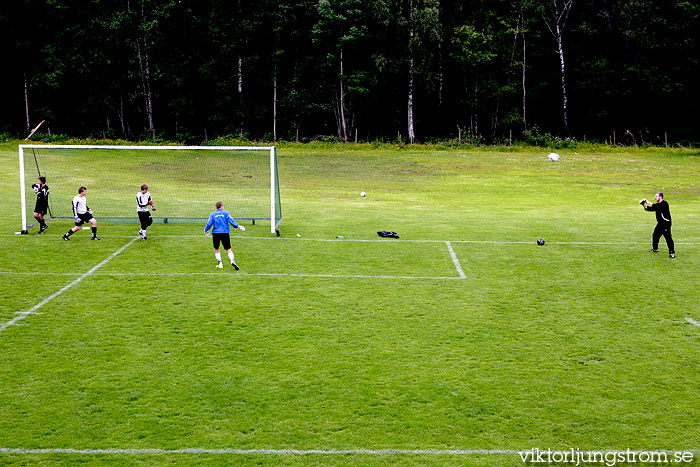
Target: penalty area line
{"points": [[359, 240], [239, 274], [455, 260], [692, 321], [32, 311]]}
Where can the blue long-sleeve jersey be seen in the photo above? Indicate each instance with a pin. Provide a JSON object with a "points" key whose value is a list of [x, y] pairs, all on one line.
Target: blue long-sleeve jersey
{"points": [[220, 219]]}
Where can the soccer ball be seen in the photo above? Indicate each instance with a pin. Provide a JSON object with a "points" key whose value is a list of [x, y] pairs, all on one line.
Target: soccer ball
{"points": [[553, 156], [363, 194], [540, 241]]}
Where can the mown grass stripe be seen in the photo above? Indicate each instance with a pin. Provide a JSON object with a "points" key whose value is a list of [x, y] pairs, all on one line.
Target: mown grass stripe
{"points": [[303, 452]]}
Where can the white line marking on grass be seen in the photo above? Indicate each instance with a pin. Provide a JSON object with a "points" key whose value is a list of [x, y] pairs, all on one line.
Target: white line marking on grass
{"points": [[23, 314], [692, 321], [24, 273], [455, 260], [271, 274], [493, 242]]}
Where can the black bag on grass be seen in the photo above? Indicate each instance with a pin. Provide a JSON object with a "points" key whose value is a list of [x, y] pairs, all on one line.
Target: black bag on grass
{"points": [[388, 234]]}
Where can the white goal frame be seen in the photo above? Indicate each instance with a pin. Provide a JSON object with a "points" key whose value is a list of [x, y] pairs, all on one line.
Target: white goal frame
{"points": [[273, 169]]}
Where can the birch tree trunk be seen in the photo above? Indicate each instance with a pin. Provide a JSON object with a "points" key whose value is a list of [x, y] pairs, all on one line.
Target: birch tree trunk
{"points": [[145, 69], [563, 82], [146, 85], [240, 90], [341, 101], [26, 103], [411, 132], [120, 113], [440, 75], [559, 13], [522, 25], [476, 106], [274, 105], [240, 75]]}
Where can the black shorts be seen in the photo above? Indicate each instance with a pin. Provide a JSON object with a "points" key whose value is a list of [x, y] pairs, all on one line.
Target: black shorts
{"points": [[222, 238], [41, 207], [82, 218], [145, 219]]}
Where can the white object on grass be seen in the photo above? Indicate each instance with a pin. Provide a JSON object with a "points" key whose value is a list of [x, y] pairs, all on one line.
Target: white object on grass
{"points": [[363, 194], [553, 156]]}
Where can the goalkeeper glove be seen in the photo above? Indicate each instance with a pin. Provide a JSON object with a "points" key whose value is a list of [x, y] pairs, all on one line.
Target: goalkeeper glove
{"points": [[643, 202], [77, 219], [89, 211], [35, 187], [206, 232], [242, 228]]}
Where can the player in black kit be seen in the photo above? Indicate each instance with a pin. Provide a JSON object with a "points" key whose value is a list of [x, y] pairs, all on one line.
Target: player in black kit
{"points": [[663, 223], [42, 202]]}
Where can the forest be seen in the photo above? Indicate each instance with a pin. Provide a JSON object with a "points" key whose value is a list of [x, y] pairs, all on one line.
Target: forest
{"points": [[618, 71]]}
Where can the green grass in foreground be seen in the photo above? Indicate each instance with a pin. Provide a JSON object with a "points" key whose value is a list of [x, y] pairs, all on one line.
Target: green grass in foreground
{"points": [[582, 343]]}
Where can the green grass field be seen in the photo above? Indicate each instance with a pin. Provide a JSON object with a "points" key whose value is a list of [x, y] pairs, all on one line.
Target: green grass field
{"points": [[458, 344]]}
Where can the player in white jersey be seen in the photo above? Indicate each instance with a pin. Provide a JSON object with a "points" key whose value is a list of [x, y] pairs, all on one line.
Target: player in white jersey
{"points": [[82, 214], [143, 200]]}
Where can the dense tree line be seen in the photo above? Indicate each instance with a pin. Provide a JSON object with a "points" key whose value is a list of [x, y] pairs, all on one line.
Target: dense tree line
{"points": [[372, 70]]}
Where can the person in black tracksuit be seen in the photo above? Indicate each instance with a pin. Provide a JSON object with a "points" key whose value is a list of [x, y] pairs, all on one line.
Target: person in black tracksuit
{"points": [[663, 223], [42, 203]]}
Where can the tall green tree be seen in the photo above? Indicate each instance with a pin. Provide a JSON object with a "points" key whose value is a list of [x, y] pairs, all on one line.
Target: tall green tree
{"points": [[415, 31], [338, 33]]}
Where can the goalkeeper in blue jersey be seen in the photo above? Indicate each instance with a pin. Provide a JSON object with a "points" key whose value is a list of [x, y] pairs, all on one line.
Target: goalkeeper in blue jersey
{"points": [[220, 220]]}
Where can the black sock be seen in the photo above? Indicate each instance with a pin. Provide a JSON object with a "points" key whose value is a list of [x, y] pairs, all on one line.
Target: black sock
{"points": [[69, 233], [94, 231]]}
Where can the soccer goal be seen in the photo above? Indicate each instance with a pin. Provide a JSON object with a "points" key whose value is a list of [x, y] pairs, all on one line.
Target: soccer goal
{"points": [[184, 181]]}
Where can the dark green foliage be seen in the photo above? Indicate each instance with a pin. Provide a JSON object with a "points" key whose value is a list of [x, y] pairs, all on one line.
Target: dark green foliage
{"points": [[93, 67]]}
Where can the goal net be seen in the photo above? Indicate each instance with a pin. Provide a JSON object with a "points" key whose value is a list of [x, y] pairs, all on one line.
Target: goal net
{"points": [[184, 181]]}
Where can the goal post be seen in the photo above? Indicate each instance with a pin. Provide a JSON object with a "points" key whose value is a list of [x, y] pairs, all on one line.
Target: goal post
{"points": [[185, 182]]}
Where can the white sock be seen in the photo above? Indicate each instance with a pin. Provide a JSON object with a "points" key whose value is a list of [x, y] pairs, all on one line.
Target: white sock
{"points": [[218, 257], [230, 256]]}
